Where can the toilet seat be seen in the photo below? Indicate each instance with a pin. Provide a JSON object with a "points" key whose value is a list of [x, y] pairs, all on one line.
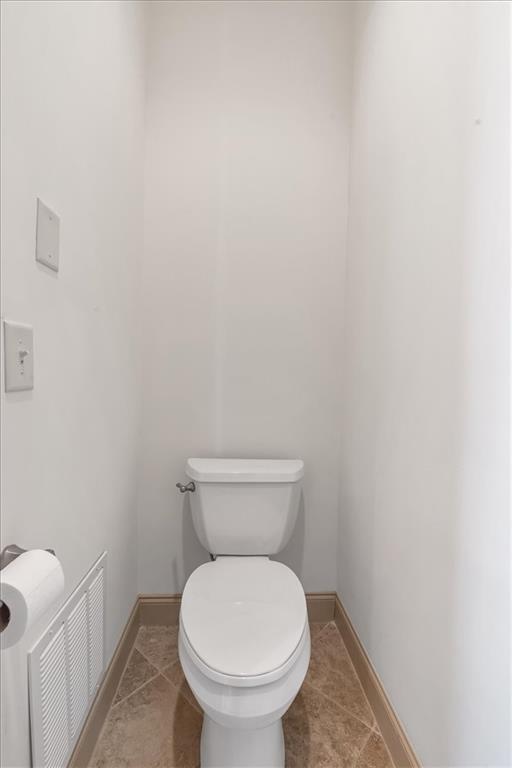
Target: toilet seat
{"points": [[243, 619]]}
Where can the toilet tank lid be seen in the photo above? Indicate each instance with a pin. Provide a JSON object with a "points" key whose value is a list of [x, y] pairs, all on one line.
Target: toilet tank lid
{"points": [[245, 470]]}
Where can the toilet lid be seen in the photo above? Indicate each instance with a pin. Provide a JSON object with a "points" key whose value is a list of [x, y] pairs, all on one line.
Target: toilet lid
{"points": [[243, 616]]}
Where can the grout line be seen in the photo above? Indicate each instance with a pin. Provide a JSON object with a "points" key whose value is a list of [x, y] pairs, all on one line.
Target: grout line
{"points": [[162, 672], [156, 666], [376, 726], [112, 706], [178, 690], [366, 742], [139, 687], [391, 761], [343, 707], [148, 660], [373, 727], [144, 655], [325, 625], [134, 648], [121, 677], [376, 733]]}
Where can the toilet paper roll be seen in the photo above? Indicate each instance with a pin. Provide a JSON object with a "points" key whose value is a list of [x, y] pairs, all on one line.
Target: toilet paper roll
{"points": [[29, 586]]}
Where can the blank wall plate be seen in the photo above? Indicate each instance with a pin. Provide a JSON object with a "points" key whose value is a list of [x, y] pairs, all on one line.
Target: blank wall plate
{"points": [[19, 356], [47, 236]]}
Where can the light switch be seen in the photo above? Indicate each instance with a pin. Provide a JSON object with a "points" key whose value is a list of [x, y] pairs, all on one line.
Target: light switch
{"points": [[19, 356], [47, 236]]}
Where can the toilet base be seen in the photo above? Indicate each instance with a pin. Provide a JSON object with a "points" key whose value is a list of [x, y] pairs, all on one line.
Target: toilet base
{"points": [[223, 747]]}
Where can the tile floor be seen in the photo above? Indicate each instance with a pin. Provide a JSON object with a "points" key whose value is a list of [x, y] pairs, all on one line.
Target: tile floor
{"points": [[155, 722]]}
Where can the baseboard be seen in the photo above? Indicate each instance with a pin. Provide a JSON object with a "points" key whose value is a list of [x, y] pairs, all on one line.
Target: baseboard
{"points": [[390, 727], [159, 610], [82, 753], [163, 610], [320, 606]]}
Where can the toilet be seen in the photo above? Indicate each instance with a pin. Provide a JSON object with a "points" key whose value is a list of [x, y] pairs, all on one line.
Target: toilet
{"points": [[243, 640]]}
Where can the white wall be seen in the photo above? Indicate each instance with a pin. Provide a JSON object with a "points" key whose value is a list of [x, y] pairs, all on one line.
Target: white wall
{"points": [[423, 549], [72, 108], [238, 308], [242, 277]]}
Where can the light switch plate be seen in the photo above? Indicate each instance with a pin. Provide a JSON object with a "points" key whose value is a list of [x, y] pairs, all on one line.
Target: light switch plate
{"points": [[19, 356], [47, 236]]}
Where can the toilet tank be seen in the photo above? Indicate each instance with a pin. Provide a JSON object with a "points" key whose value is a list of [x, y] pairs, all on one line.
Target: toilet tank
{"points": [[245, 506]]}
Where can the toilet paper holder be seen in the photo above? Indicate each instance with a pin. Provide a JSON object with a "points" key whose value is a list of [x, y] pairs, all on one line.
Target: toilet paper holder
{"points": [[11, 552], [7, 556]]}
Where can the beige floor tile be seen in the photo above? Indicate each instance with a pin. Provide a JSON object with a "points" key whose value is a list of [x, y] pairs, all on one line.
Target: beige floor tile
{"points": [[158, 644], [174, 673], [138, 671], [375, 754], [155, 722], [153, 728], [330, 645], [331, 672], [320, 734], [315, 627]]}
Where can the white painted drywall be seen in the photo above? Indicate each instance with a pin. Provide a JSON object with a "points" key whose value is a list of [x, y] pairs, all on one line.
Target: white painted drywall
{"points": [[242, 276], [72, 120], [239, 307], [423, 547]]}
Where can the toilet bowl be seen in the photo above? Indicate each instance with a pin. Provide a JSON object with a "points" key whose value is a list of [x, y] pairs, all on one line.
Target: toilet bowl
{"points": [[244, 640]]}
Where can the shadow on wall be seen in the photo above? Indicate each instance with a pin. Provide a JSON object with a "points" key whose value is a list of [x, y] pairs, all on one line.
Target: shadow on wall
{"points": [[195, 555], [192, 550], [423, 522], [293, 554]]}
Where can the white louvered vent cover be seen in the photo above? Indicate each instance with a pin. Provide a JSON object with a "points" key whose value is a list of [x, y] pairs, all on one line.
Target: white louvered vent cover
{"points": [[65, 669]]}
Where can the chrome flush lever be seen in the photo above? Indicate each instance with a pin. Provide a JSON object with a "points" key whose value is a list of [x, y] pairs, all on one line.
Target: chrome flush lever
{"points": [[188, 487]]}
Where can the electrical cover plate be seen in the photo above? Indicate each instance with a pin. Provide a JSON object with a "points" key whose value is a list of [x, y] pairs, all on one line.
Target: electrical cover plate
{"points": [[19, 356], [47, 236]]}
